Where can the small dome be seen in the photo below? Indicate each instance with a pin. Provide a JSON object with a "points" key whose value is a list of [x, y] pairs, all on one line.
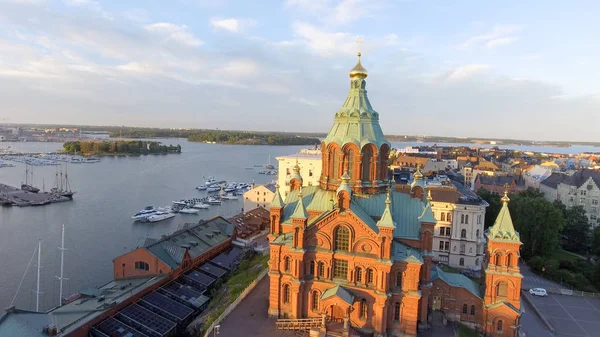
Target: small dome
{"points": [[358, 71]]}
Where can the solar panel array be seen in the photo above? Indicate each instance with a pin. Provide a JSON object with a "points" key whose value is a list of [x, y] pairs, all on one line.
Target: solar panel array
{"points": [[184, 292], [154, 324], [166, 304], [213, 270], [200, 277], [115, 328]]}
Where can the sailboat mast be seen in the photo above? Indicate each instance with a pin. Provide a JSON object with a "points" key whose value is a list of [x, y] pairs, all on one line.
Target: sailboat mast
{"points": [[62, 261], [39, 267]]}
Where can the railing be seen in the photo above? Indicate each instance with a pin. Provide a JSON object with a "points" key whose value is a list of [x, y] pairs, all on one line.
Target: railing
{"points": [[302, 324], [567, 292]]}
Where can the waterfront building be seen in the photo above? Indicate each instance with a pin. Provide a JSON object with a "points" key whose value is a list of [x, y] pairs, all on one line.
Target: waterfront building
{"points": [[258, 196], [309, 162], [458, 239], [358, 250]]}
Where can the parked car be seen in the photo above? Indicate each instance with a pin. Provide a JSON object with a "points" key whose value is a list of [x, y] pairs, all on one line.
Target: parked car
{"points": [[538, 292]]}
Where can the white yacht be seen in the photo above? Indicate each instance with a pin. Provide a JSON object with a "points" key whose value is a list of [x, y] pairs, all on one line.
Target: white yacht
{"points": [[201, 187], [180, 203], [160, 216], [167, 209], [213, 201], [214, 188], [188, 210], [209, 181], [201, 205], [229, 196], [142, 216]]}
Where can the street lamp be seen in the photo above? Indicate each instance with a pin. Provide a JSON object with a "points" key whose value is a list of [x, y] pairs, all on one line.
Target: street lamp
{"points": [[216, 330]]}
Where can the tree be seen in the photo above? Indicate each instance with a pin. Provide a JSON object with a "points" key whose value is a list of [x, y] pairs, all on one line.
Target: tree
{"points": [[492, 211], [539, 223], [596, 242], [576, 232]]}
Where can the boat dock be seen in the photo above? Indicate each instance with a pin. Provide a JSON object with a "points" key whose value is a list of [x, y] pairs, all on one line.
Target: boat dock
{"points": [[10, 196]]}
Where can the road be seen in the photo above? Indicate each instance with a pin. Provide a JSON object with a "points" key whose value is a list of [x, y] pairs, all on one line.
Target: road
{"points": [[531, 324]]}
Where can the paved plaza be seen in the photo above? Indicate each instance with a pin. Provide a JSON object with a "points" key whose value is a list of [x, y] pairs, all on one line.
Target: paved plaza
{"points": [[571, 316]]}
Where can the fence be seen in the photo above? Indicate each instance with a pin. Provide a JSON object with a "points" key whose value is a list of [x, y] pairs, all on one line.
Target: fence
{"points": [[302, 324], [568, 292], [235, 303]]}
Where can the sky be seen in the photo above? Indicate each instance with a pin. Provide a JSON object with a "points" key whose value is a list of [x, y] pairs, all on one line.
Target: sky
{"points": [[505, 69]]}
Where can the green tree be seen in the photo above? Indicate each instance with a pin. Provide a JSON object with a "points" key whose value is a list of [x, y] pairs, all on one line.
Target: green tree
{"points": [[576, 232], [492, 211], [539, 223], [596, 242]]}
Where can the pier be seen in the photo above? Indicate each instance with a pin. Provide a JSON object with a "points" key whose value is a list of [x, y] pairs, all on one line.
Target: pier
{"points": [[13, 196]]}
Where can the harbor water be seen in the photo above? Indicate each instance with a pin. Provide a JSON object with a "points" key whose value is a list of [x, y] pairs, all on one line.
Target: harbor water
{"points": [[98, 221]]}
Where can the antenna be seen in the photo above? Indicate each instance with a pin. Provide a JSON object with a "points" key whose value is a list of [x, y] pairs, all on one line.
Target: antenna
{"points": [[39, 267], [62, 262]]}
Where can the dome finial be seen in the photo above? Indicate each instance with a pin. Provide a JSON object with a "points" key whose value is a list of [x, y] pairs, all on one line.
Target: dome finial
{"points": [[358, 71], [505, 199]]}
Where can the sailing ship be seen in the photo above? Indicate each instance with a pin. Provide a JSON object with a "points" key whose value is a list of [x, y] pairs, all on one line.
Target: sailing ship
{"points": [[62, 186], [26, 186], [269, 166]]}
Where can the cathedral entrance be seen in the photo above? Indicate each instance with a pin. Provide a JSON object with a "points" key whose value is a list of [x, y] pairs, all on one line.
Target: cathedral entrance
{"points": [[335, 313], [437, 303]]}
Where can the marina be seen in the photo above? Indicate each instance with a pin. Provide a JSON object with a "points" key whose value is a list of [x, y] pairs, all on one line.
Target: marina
{"points": [[13, 196]]}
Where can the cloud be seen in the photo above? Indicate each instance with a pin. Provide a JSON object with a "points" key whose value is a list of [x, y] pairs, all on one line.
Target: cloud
{"points": [[500, 42], [337, 12], [324, 43], [498, 36], [464, 72], [174, 32], [239, 68], [232, 25]]}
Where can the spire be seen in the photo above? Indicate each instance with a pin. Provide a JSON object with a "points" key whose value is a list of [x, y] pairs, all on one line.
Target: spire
{"points": [[300, 211], [345, 184], [277, 200], [386, 219], [427, 215], [296, 170], [418, 179], [418, 175], [503, 228]]}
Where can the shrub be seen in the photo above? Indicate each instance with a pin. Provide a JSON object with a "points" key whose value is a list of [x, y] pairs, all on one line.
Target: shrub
{"points": [[566, 264]]}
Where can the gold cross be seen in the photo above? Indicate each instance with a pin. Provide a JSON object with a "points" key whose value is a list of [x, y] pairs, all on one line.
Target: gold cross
{"points": [[359, 42]]}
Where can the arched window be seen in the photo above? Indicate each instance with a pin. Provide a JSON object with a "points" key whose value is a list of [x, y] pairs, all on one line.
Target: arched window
{"points": [[502, 289], [399, 279], [140, 265], [498, 259], [499, 326], [367, 155], [359, 276], [334, 164], [448, 216], [461, 261], [286, 293], [315, 300], [511, 261], [472, 310], [462, 218], [321, 271], [363, 308], [370, 276], [477, 261], [311, 268], [463, 233], [467, 218], [477, 233], [342, 239], [349, 161], [464, 309], [397, 312], [286, 264], [443, 217], [470, 250]]}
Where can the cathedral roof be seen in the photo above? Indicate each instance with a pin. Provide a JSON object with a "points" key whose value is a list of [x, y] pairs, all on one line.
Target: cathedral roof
{"points": [[341, 292], [386, 219], [277, 200], [300, 210], [356, 121], [503, 228], [404, 210], [427, 215], [456, 280], [402, 252]]}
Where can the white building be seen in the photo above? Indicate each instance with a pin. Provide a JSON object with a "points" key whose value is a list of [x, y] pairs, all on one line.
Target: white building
{"points": [[458, 239], [308, 160], [533, 176], [259, 195]]}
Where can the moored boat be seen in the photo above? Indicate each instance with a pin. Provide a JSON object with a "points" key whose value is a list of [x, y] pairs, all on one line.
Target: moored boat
{"points": [[160, 216]]}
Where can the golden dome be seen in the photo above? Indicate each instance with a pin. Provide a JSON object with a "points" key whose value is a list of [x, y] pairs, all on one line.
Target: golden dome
{"points": [[358, 71]]}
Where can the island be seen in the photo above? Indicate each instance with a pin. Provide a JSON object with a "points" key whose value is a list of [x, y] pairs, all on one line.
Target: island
{"points": [[251, 138], [119, 147]]}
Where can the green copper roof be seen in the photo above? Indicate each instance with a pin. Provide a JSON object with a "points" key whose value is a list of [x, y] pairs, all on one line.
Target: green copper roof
{"points": [[356, 122], [340, 292], [345, 184], [402, 252], [386, 219], [456, 280], [277, 200], [427, 215], [503, 229], [300, 211]]}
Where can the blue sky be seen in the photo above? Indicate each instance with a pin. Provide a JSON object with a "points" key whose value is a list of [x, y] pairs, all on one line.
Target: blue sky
{"points": [[518, 69]]}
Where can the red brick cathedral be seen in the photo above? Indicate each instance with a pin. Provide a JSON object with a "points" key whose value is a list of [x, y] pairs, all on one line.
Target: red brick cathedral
{"points": [[357, 249]]}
